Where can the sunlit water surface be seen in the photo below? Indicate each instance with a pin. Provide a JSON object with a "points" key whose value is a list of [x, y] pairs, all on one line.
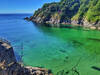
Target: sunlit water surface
{"points": [[58, 49]]}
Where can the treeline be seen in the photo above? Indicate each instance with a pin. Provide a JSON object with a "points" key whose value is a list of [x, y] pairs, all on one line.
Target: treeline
{"points": [[66, 10]]}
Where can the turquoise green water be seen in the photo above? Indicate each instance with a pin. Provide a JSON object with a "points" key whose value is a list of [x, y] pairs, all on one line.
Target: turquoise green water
{"points": [[61, 49], [58, 49]]}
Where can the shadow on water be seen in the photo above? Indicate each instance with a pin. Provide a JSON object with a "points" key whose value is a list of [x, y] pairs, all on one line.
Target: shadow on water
{"points": [[69, 26], [59, 32]]}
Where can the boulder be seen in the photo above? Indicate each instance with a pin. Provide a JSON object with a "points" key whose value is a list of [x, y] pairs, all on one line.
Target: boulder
{"points": [[9, 65]]}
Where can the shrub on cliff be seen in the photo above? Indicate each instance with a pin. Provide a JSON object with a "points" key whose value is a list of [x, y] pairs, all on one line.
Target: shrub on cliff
{"points": [[71, 10]]}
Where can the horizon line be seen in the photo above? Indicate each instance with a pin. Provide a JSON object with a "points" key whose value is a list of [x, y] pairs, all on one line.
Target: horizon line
{"points": [[17, 13]]}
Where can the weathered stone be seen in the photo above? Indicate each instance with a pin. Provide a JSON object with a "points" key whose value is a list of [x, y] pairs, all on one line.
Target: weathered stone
{"points": [[9, 65], [55, 20], [98, 28], [93, 27]]}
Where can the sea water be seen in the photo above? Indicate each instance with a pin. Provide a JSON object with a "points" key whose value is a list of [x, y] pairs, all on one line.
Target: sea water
{"points": [[65, 51]]}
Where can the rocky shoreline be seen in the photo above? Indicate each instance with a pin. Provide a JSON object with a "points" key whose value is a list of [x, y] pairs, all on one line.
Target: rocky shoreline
{"points": [[56, 23], [83, 13], [9, 65]]}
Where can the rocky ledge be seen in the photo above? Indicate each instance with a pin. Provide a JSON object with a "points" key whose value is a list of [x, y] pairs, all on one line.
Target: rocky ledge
{"points": [[85, 13], [9, 65], [57, 23]]}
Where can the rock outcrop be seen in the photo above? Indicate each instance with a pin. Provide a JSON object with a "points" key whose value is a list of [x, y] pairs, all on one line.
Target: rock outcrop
{"points": [[9, 65], [76, 12]]}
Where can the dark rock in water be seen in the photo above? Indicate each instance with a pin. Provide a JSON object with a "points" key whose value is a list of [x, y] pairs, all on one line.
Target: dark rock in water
{"points": [[95, 68], [9, 65], [27, 18], [67, 72], [94, 39], [63, 51], [76, 43], [66, 59]]}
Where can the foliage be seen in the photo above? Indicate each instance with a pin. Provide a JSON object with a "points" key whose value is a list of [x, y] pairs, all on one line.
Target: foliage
{"points": [[71, 10]]}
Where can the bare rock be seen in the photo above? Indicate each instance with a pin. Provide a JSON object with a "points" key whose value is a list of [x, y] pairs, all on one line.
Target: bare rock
{"points": [[9, 65]]}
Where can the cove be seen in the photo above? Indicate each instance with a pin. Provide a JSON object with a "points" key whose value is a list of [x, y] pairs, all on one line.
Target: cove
{"points": [[58, 49]]}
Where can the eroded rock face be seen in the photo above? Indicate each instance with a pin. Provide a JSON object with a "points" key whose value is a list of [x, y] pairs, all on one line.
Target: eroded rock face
{"points": [[69, 12], [6, 53], [9, 65], [53, 21]]}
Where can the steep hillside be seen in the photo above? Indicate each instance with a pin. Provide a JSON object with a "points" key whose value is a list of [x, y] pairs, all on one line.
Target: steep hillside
{"points": [[77, 12]]}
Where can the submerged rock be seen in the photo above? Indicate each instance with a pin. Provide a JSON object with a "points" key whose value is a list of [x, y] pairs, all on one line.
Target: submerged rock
{"points": [[94, 39], [95, 68]]}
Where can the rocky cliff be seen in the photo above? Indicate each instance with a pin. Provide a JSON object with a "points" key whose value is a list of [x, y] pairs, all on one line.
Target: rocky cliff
{"points": [[9, 65], [76, 12]]}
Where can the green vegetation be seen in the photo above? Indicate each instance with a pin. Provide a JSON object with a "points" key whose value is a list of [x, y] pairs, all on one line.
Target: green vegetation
{"points": [[71, 10], [89, 9], [93, 13]]}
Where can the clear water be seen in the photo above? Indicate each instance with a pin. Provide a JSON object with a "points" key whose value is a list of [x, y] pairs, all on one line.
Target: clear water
{"points": [[57, 49]]}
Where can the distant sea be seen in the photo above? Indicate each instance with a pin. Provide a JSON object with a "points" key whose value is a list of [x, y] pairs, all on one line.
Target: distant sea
{"points": [[58, 49]]}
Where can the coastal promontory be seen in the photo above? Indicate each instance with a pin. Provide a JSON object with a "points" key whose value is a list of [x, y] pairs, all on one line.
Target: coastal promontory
{"points": [[77, 12]]}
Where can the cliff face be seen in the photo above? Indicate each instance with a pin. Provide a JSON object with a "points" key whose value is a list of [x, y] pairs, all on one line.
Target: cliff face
{"points": [[9, 65], [6, 53], [77, 12]]}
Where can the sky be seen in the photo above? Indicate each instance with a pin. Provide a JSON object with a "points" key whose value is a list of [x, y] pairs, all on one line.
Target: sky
{"points": [[22, 6]]}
